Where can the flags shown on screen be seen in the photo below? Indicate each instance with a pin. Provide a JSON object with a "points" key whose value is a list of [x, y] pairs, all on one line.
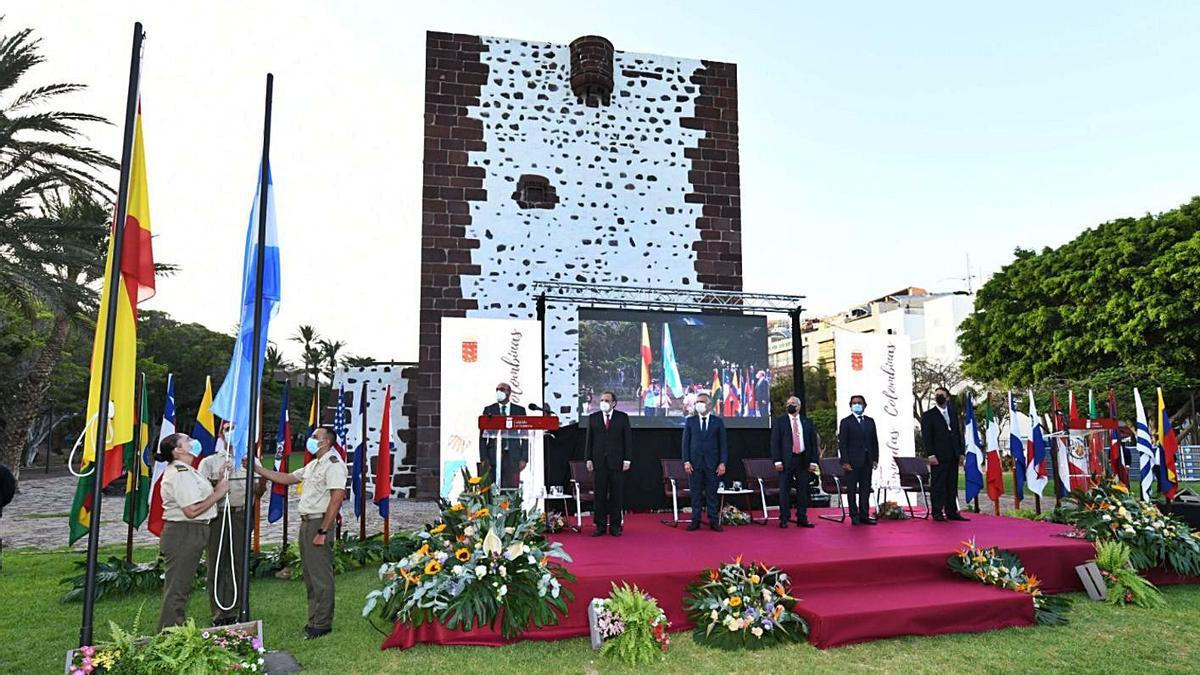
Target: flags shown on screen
{"points": [[167, 428], [358, 475], [1145, 448], [137, 482], [645, 357], [1168, 445], [383, 462], [974, 467], [1016, 446], [995, 470], [283, 450], [671, 379], [233, 400], [1035, 468]]}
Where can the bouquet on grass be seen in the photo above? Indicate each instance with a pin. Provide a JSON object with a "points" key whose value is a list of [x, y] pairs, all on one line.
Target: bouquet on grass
{"points": [[485, 560], [743, 606], [732, 515], [1108, 512], [1125, 585], [632, 626], [1003, 569], [182, 649]]}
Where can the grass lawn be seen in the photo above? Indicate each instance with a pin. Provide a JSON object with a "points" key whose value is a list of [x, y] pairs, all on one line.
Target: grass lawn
{"points": [[36, 630]]}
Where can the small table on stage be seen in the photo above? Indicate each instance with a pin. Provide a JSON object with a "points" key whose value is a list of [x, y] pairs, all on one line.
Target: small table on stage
{"points": [[743, 492], [566, 500]]}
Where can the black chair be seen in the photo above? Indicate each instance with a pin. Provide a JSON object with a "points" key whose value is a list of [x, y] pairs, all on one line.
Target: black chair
{"points": [[833, 483], [762, 472], [583, 484], [675, 486], [914, 477]]}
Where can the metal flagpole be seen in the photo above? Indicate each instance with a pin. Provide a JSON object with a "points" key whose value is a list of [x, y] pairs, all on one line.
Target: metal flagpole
{"points": [[110, 326], [255, 356], [361, 497]]}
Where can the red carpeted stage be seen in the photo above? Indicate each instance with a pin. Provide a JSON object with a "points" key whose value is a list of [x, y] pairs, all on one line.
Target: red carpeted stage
{"points": [[855, 583]]}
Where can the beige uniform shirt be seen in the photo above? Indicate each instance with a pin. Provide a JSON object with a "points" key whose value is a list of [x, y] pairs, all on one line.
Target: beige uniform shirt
{"points": [[328, 472], [213, 468], [183, 486]]}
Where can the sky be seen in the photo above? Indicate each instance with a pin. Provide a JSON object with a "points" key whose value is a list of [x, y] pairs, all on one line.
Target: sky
{"points": [[882, 144]]}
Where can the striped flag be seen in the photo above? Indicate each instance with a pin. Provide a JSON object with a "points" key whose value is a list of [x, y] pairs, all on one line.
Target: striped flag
{"points": [[137, 497], [339, 422], [166, 429], [1016, 446], [1145, 448], [1035, 468], [1168, 481], [646, 357], [283, 449], [1116, 456], [383, 463], [974, 468], [358, 476], [995, 470], [205, 428], [671, 379]]}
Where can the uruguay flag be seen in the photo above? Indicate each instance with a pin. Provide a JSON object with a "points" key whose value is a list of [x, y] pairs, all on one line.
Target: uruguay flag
{"points": [[154, 522], [283, 448], [233, 400], [973, 470], [1145, 448], [670, 367], [1016, 446], [1035, 470]]}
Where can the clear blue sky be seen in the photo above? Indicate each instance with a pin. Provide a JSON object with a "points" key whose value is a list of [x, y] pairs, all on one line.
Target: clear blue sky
{"points": [[882, 143]]}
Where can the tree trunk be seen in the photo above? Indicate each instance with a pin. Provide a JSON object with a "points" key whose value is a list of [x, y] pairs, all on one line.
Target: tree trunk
{"points": [[30, 399]]}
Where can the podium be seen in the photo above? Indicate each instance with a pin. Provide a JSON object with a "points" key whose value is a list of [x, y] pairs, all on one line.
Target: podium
{"points": [[516, 424]]}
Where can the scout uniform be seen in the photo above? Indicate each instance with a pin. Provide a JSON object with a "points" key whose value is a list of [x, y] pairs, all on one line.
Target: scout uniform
{"points": [[183, 539], [327, 472], [213, 470]]}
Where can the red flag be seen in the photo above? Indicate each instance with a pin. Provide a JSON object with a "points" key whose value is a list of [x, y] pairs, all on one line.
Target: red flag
{"points": [[383, 463], [995, 472], [1115, 456], [114, 464]]}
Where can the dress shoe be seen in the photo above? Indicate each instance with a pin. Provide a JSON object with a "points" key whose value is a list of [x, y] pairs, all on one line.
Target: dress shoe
{"points": [[599, 532], [716, 527], [693, 526], [939, 518], [614, 531], [804, 523], [783, 524], [314, 633], [854, 521], [959, 518], [870, 521]]}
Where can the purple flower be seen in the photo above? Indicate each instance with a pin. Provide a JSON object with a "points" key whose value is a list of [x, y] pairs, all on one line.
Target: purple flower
{"points": [[256, 643], [88, 651], [767, 624]]}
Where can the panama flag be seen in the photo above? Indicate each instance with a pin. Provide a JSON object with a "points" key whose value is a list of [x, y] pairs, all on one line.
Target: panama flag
{"points": [[1035, 469], [233, 400], [973, 469], [358, 475], [383, 463], [283, 449], [155, 524], [995, 471], [1016, 446], [1145, 448], [1168, 481], [670, 367], [645, 357], [205, 428]]}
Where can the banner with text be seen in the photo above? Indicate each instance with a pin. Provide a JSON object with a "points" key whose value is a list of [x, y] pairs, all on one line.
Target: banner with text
{"points": [[478, 354], [879, 367]]}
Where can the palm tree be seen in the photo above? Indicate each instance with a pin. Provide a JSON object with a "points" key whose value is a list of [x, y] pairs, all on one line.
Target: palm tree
{"points": [[358, 361], [310, 354], [275, 362], [329, 355]]}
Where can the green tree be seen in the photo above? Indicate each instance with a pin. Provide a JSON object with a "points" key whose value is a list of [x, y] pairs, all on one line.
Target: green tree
{"points": [[330, 350], [310, 351]]}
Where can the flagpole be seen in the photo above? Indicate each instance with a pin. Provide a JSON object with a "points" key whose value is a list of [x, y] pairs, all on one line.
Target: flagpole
{"points": [[255, 356], [361, 496], [110, 326], [135, 469]]}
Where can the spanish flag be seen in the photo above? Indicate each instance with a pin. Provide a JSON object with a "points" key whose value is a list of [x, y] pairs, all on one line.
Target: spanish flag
{"points": [[646, 357], [133, 283]]}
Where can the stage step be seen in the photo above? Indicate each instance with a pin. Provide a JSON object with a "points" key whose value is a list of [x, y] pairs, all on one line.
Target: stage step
{"points": [[872, 610]]}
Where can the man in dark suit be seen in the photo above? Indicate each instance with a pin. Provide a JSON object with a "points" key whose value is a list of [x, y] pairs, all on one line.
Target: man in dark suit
{"points": [[514, 445], [794, 449], [946, 449], [608, 448], [858, 450], [705, 452], [762, 395]]}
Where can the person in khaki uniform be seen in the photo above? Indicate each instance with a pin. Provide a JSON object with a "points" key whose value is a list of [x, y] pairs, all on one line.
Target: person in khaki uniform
{"points": [[324, 488], [221, 581], [189, 505]]}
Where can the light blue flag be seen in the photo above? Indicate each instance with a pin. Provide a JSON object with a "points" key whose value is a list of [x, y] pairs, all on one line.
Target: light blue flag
{"points": [[232, 402], [670, 367]]}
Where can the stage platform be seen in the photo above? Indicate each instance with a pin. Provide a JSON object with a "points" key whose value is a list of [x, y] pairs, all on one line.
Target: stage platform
{"points": [[855, 583]]}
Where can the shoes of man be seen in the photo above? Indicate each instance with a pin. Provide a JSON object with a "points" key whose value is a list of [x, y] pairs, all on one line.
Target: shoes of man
{"points": [[958, 518], [854, 521], [783, 524], [693, 526], [870, 521], [599, 532], [804, 523], [939, 518], [614, 531], [314, 633], [716, 527]]}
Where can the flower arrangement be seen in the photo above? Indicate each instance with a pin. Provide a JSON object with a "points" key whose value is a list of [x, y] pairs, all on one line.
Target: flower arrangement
{"points": [[743, 606], [180, 649], [632, 626], [1003, 569], [1108, 512], [485, 560], [1125, 585], [892, 511], [732, 515], [555, 522]]}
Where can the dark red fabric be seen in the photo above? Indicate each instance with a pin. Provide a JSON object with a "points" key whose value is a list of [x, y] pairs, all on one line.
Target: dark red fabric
{"points": [[855, 583]]}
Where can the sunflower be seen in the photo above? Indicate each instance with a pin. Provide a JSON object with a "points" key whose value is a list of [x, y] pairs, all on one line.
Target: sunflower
{"points": [[456, 507], [735, 601], [481, 513], [433, 567], [754, 578], [438, 529], [424, 550], [462, 554]]}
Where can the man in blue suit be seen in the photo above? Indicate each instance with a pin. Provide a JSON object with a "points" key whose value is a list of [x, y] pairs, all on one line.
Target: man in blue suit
{"points": [[705, 452], [858, 450]]}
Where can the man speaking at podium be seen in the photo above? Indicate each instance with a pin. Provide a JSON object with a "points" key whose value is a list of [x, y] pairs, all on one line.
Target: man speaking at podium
{"points": [[514, 445], [607, 449]]}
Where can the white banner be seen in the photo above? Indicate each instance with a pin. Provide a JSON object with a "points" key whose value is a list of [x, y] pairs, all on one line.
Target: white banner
{"points": [[879, 367], [478, 354]]}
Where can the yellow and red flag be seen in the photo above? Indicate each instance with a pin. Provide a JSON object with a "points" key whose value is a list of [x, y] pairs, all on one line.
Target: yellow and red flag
{"points": [[645, 357]]}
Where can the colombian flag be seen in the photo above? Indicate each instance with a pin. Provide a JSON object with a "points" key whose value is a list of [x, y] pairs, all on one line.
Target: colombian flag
{"points": [[205, 428], [1168, 481], [132, 283]]}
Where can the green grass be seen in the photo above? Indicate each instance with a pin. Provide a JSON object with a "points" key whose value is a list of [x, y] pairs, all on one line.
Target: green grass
{"points": [[36, 630]]}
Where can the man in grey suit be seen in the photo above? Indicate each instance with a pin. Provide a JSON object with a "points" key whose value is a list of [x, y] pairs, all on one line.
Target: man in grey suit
{"points": [[705, 452]]}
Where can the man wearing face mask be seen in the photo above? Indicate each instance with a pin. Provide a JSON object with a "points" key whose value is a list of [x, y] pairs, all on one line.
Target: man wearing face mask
{"points": [[794, 449], [858, 450], [946, 449], [324, 488], [608, 448], [514, 445], [705, 453]]}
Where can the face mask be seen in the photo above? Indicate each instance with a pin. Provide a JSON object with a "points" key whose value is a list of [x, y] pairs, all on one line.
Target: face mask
{"points": [[701, 408], [500, 396], [196, 448], [312, 445], [792, 409], [858, 408], [605, 406], [940, 399]]}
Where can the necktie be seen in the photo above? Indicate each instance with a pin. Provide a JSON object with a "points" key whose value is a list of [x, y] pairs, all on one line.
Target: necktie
{"points": [[796, 443], [703, 424], [606, 417], [946, 416]]}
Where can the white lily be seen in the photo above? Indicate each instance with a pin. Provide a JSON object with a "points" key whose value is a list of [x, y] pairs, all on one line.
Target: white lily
{"points": [[492, 543]]}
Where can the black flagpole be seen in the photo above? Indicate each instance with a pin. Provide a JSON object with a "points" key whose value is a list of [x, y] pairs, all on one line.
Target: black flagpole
{"points": [[110, 325], [255, 356]]}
